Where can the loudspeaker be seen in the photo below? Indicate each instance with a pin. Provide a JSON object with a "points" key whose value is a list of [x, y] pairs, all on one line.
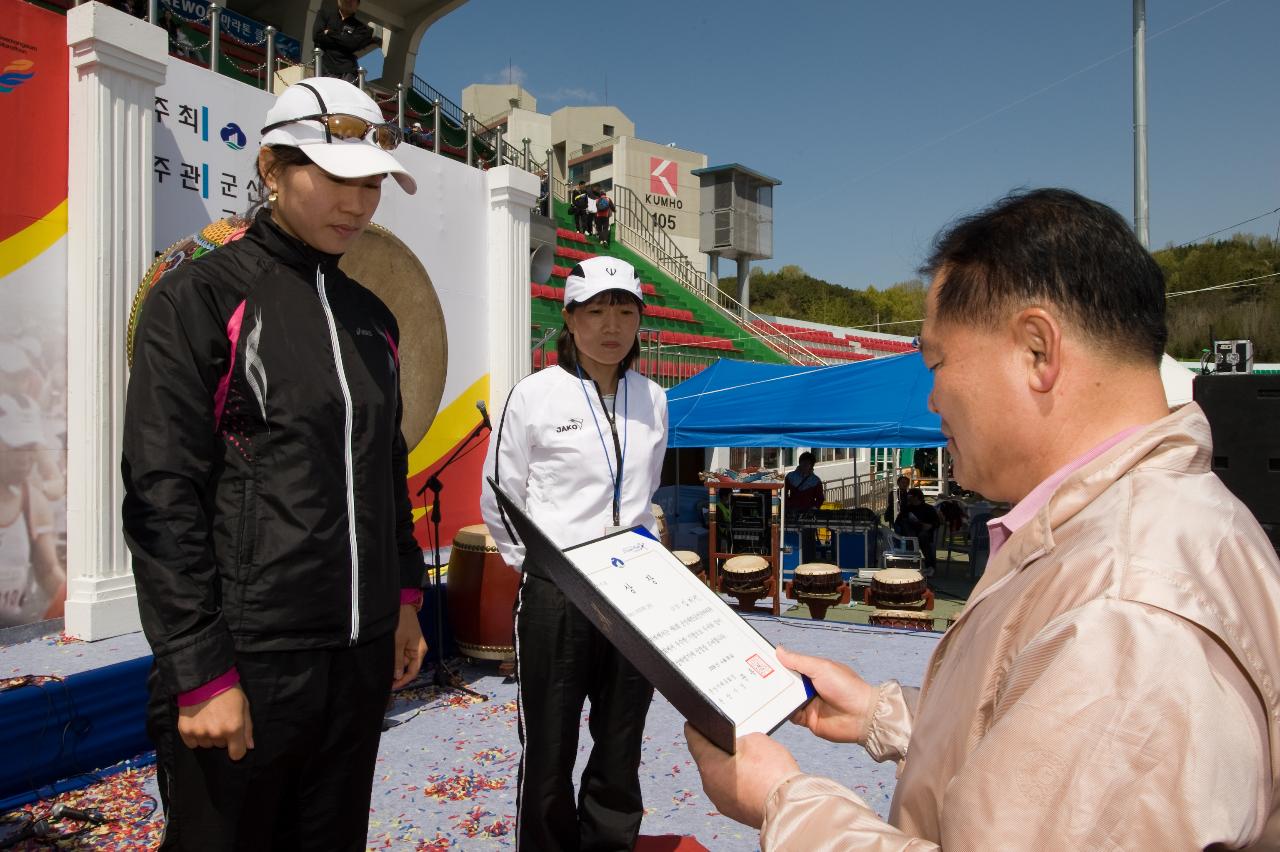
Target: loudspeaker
{"points": [[541, 260], [750, 511], [1244, 416]]}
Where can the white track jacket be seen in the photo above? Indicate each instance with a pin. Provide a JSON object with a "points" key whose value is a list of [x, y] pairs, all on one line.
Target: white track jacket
{"points": [[553, 452]]}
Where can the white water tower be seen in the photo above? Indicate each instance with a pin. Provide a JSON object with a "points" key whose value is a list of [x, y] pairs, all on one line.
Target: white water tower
{"points": [[736, 220]]}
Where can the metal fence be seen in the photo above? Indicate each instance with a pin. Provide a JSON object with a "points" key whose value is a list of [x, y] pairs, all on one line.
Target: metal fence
{"points": [[667, 365], [870, 490], [635, 229]]}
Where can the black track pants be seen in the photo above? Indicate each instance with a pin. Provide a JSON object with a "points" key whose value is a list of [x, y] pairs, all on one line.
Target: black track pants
{"points": [[317, 719], [561, 660]]}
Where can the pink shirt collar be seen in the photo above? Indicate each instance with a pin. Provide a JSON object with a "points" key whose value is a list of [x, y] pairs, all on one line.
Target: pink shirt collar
{"points": [[1001, 528]]}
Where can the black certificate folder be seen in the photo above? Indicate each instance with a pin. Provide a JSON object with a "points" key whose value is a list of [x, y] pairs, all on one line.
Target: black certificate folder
{"points": [[713, 666]]}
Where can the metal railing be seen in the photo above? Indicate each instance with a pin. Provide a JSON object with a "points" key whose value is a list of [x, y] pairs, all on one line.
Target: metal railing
{"points": [[593, 147], [636, 230], [485, 146], [435, 96], [666, 364], [870, 490], [498, 151], [180, 45]]}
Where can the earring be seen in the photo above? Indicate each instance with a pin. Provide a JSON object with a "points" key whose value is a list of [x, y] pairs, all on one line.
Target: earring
{"points": [[273, 197]]}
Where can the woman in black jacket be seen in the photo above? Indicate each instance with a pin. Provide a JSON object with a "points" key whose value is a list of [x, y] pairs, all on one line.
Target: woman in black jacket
{"points": [[266, 501]]}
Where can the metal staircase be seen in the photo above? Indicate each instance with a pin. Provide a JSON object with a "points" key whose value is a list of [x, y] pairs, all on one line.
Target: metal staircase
{"points": [[634, 226]]}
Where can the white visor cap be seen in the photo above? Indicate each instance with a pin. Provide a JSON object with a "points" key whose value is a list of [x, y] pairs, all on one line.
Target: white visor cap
{"points": [[344, 158], [593, 276]]}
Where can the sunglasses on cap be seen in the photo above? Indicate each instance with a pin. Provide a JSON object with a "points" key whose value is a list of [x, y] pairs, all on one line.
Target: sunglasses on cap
{"points": [[344, 126], [341, 126]]}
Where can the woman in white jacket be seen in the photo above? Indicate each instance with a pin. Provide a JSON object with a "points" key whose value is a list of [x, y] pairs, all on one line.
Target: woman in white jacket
{"points": [[580, 448]]}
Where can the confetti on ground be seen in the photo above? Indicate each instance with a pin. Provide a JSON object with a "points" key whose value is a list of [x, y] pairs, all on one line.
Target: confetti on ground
{"points": [[509, 708], [461, 785], [479, 822], [492, 756], [9, 683], [446, 774], [120, 797]]}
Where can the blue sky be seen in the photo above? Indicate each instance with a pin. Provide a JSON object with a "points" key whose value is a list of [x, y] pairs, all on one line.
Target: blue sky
{"points": [[885, 120]]}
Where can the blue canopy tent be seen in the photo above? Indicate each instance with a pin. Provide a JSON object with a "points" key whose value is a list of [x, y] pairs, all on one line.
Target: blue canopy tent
{"points": [[877, 403]]}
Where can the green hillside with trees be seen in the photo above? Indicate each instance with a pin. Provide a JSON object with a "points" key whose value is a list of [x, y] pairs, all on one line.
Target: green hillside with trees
{"points": [[1246, 310]]}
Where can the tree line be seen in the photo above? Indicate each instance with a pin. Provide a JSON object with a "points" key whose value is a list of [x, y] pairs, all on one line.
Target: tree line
{"points": [[1248, 311]]}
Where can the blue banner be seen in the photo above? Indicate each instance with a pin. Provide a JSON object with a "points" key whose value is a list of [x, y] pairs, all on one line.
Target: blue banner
{"points": [[239, 27]]}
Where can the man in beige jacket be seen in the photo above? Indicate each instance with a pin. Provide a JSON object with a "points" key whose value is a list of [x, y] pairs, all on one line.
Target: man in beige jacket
{"points": [[1112, 681]]}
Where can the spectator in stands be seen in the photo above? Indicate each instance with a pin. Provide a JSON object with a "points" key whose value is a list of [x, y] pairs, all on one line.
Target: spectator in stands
{"points": [[593, 195], [544, 195], [277, 573], [421, 138], [130, 7], [340, 35], [803, 487], [1113, 681], [179, 43], [578, 204], [604, 210], [920, 520]]}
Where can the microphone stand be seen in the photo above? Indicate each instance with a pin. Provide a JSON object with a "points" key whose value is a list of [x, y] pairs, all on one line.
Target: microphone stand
{"points": [[444, 677]]}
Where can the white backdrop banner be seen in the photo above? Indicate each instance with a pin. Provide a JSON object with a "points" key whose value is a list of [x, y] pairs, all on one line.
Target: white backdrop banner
{"points": [[206, 143], [206, 149]]}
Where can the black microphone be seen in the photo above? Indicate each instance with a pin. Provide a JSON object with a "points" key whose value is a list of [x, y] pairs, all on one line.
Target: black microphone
{"points": [[94, 816], [484, 412], [36, 828]]}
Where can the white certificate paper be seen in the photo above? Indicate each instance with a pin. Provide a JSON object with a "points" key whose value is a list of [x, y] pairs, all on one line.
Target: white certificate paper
{"points": [[717, 652]]}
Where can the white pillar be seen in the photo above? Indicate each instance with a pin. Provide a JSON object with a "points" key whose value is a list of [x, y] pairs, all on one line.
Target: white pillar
{"points": [[116, 63], [512, 194]]}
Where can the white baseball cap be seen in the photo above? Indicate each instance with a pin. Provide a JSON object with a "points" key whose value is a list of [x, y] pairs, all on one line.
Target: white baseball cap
{"points": [[20, 422], [593, 276], [294, 120]]}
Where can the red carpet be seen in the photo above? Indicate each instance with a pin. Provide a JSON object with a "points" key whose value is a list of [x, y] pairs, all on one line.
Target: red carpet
{"points": [[668, 843]]}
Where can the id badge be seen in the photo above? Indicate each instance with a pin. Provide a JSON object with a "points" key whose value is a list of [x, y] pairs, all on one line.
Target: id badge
{"points": [[610, 530]]}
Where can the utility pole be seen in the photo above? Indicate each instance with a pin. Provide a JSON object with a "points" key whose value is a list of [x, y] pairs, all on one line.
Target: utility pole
{"points": [[1141, 214]]}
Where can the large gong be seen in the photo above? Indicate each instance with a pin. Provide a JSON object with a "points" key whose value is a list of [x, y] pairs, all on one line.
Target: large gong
{"points": [[379, 261]]}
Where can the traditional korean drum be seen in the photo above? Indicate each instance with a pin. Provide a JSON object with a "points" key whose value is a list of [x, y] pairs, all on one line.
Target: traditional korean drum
{"points": [[816, 578], [745, 573], [903, 619], [664, 533], [482, 594], [817, 585], [746, 577], [893, 588], [691, 560]]}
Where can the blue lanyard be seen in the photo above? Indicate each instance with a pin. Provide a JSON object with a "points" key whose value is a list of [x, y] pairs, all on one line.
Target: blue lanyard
{"points": [[622, 457]]}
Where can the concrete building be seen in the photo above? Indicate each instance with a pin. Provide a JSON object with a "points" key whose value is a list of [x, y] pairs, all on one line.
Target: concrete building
{"points": [[599, 145]]}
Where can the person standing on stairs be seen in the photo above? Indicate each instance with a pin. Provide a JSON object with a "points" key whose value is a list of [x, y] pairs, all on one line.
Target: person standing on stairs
{"points": [[604, 210], [578, 205]]}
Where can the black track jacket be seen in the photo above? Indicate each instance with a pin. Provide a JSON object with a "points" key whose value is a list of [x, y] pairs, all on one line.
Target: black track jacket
{"points": [[345, 37], [266, 502]]}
